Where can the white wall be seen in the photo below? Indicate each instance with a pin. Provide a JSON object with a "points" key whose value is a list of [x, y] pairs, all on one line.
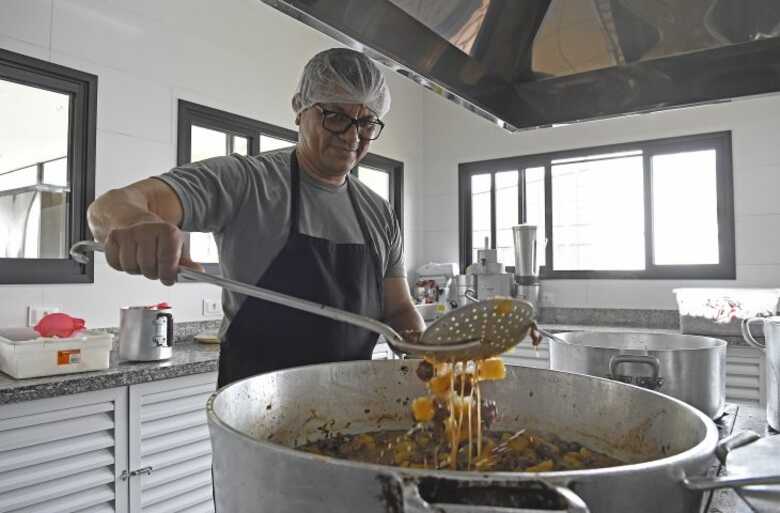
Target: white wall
{"points": [[236, 55], [453, 135]]}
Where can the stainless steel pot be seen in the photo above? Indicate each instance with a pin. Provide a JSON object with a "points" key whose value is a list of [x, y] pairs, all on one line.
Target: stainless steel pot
{"points": [[255, 422], [146, 333], [771, 348], [688, 367]]}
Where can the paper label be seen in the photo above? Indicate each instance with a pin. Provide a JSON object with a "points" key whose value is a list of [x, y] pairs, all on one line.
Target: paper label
{"points": [[69, 357]]}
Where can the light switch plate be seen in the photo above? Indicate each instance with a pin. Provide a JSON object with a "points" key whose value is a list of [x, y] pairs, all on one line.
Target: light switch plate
{"points": [[212, 308]]}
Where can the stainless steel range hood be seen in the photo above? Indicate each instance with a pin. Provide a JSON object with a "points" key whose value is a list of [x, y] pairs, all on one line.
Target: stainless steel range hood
{"points": [[535, 63]]}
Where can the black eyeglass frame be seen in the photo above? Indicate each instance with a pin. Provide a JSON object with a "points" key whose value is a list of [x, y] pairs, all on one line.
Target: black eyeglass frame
{"points": [[352, 122]]}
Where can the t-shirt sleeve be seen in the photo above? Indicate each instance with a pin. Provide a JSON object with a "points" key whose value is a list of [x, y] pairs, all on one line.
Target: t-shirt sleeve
{"points": [[395, 254], [211, 191]]}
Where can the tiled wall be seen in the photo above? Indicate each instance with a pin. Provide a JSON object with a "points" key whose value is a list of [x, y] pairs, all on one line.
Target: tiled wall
{"points": [[755, 124], [237, 55]]}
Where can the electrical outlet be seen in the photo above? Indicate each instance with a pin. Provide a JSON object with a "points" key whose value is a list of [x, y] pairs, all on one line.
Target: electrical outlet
{"points": [[211, 308], [36, 313]]}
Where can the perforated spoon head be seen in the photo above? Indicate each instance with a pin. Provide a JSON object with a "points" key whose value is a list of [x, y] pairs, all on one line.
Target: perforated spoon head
{"points": [[478, 330]]}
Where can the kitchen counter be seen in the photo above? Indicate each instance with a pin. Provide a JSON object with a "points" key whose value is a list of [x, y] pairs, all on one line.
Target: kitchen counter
{"points": [[188, 358]]}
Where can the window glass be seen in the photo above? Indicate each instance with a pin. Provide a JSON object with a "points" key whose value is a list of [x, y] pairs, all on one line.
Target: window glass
{"points": [[598, 214], [240, 145], [534, 208], [268, 143], [376, 180], [207, 143], [685, 208], [480, 213], [507, 215], [34, 187]]}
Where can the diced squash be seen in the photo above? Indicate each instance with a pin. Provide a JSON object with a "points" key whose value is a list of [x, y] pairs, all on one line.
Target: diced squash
{"points": [[423, 409], [520, 443], [572, 460], [504, 307], [492, 369], [440, 385], [545, 466]]}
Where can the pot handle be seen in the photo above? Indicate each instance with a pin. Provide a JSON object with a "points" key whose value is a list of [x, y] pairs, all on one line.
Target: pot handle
{"points": [[653, 383], [735, 441], [745, 327], [413, 501]]}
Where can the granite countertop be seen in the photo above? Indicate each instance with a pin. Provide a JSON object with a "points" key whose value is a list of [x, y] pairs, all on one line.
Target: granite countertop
{"points": [[189, 357]]}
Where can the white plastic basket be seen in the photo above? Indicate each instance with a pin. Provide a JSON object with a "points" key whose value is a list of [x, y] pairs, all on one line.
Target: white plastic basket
{"points": [[719, 311], [47, 356]]}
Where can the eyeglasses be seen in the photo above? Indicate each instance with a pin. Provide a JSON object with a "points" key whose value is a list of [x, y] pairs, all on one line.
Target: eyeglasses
{"points": [[338, 123]]}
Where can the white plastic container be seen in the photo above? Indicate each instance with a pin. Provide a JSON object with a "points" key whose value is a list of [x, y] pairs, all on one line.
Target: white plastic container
{"points": [[47, 356], [719, 311]]}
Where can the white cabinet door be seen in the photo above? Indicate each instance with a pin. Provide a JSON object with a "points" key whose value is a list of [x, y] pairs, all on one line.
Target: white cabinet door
{"points": [[170, 450], [65, 454]]}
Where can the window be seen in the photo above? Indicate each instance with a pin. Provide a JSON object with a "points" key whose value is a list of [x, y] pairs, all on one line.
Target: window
{"points": [[385, 177], [205, 132], [47, 169], [652, 209]]}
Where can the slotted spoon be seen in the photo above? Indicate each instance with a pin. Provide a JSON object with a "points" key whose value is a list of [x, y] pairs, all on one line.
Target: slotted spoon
{"points": [[475, 331]]}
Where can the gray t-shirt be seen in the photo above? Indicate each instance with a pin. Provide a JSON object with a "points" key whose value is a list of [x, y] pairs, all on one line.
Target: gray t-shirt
{"points": [[245, 203]]}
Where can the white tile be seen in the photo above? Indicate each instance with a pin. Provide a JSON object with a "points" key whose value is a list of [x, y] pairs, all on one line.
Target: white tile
{"points": [[757, 190], [564, 293], [127, 104], [440, 246], [99, 303], [122, 159], [28, 20], [14, 300], [24, 48], [758, 239], [640, 294], [762, 276], [440, 212]]}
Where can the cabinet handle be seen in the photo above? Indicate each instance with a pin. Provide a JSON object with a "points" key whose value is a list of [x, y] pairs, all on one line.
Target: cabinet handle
{"points": [[138, 472]]}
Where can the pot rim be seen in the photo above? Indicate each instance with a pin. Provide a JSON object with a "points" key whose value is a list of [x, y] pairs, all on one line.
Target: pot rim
{"points": [[716, 343], [706, 447]]}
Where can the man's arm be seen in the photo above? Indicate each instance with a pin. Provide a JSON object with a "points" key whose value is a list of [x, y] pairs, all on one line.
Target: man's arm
{"points": [[139, 226], [399, 310]]}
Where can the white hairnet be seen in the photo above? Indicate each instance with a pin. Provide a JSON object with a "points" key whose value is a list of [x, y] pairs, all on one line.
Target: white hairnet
{"points": [[341, 75]]}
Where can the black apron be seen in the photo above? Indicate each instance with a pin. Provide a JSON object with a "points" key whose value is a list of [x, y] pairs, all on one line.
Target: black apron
{"points": [[265, 337]]}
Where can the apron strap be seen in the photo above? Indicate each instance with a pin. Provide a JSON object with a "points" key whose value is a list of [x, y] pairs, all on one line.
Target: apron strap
{"points": [[295, 205]]}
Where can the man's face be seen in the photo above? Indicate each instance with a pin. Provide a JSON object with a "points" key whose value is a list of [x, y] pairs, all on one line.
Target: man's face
{"points": [[332, 154]]}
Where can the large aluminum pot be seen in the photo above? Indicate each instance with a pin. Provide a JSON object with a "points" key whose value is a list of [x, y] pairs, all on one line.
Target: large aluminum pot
{"points": [[254, 423], [690, 368]]}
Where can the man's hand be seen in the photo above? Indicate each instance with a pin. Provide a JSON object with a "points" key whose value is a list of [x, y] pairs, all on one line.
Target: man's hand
{"points": [[154, 249]]}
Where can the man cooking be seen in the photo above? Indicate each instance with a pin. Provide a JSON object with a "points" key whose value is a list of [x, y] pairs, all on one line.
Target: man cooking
{"points": [[291, 220]]}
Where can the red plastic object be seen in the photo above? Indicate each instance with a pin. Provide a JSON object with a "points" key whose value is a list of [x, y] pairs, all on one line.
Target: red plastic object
{"points": [[162, 306], [58, 325]]}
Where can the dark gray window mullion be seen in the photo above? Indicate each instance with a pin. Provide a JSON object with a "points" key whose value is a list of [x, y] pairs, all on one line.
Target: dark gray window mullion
{"points": [[493, 210], [548, 217], [647, 168], [522, 213]]}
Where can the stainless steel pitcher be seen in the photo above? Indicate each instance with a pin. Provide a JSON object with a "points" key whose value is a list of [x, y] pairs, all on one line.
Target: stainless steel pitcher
{"points": [[145, 333], [771, 348]]}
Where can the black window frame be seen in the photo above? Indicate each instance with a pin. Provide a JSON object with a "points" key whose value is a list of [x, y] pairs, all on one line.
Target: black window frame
{"points": [[190, 113], [395, 170], [82, 130], [725, 269]]}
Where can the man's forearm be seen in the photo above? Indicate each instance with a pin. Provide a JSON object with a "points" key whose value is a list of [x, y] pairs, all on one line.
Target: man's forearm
{"points": [[118, 208], [406, 318]]}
